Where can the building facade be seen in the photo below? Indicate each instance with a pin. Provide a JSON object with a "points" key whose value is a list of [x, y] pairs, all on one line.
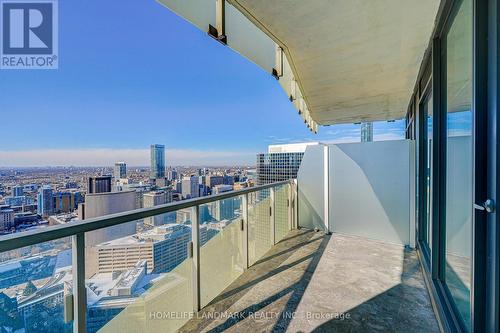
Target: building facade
{"points": [[281, 162], [277, 167], [152, 199], [6, 218], [163, 248], [17, 191], [99, 184], [45, 204], [120, 170], [157, 161], [367, 132], [190, 187]]}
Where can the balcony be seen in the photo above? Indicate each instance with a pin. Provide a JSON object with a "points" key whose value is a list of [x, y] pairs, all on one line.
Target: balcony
{"points": [[289, 256], [377, 236]]}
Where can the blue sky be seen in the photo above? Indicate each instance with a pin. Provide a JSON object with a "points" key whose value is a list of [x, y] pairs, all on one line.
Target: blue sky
{"points": [[132, 73]]}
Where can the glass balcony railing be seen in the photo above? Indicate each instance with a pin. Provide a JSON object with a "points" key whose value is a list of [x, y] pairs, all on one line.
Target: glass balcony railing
{"points": [[147, 270], [222, 255], [34, 281]]}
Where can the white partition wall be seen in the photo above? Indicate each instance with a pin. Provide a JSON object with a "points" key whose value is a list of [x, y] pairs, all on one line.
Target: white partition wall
{"points": [[370, 191], [311, 189]]}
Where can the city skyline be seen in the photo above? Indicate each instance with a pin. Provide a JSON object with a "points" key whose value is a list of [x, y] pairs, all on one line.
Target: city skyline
{"points": [[154, 106]]}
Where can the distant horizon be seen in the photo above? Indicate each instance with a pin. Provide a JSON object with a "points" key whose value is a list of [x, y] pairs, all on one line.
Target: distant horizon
{"points": [[131, 166], [140, 158], [107, 157]]}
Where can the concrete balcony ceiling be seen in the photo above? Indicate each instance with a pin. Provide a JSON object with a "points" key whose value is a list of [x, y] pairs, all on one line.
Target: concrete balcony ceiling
{"points": [[352, 60]]}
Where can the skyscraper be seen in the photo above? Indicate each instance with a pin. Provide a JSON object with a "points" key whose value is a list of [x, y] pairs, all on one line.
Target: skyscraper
{"points": [[99, 184], [6, 217], [120, 170], [17, 191], [282, 162], [224, 209], [152, 199], [366, 132], [157, 161], [62, 202], [101, 204], [171, 174], [190, 187], [214, 180], [45, 203]]}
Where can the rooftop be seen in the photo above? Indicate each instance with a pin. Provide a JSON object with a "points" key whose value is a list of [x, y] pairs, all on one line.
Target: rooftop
{"points": [[290, 147], [155, 234]]}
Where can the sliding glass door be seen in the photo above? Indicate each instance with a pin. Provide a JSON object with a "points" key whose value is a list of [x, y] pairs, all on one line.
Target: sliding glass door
{"points": [[459, 160], [425, 172], [457, 169]]}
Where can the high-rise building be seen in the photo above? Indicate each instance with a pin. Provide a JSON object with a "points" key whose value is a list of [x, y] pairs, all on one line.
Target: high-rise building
{"points": [[367, 132], [157, 161], [190, 187], [99, 184], [45, 203], [281, 162], [65, 202], [152, 199], [203, 190], [100, 204], [120, 170], [228, 180], [214, 180], [168, 194], [17, 191], [6, 217], [224, 209], [163, 248], [171, 174]]}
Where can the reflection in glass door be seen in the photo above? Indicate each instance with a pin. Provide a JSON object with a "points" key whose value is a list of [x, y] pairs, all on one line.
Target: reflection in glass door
{"points": [[459, 160], [427, 173]]}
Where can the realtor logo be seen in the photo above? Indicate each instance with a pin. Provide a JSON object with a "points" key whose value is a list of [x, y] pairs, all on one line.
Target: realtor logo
{"points": [[29, 34]]}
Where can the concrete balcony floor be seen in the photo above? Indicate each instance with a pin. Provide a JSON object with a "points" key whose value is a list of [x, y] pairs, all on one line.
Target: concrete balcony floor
{"points": [[307, 281]]}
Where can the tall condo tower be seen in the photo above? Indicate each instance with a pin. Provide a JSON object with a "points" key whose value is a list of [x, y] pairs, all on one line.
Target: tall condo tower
{"points": [[157, 161]]}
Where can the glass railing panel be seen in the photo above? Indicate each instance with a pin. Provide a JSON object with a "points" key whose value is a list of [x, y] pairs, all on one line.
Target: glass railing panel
{"points": [[139, 276], [33, 283], [221, 252], [259, 225], [282, 225]]}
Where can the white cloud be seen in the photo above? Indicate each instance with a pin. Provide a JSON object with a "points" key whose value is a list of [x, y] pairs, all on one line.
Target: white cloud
{"points": [[133, 157]]}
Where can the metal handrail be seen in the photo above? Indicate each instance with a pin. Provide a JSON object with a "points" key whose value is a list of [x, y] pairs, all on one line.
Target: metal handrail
{"points": [[32, 237]]}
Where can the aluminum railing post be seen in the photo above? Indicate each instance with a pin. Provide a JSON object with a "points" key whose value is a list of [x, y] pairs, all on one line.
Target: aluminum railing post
{"points": [[195, 237], [244, 229], [295, 204], [289, 206], [79, 290], [272, 214]]}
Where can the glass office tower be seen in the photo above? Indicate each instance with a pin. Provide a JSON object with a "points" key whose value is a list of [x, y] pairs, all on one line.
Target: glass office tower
{"points": [[157, 161], [120, 170], [274, 167]]}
